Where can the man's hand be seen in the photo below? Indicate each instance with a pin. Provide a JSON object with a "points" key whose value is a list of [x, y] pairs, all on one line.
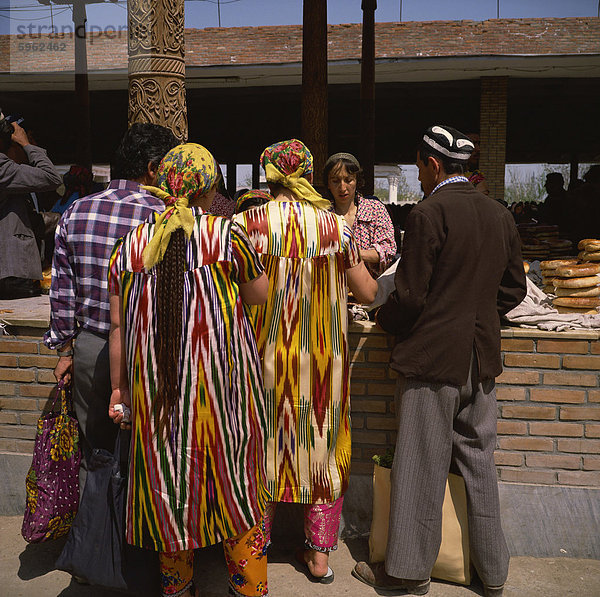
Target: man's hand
{"points": [[19, 135], [64, 369]]}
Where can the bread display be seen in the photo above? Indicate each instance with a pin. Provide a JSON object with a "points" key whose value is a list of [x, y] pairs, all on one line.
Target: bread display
{"points": [[576, 284], [540, 241]]}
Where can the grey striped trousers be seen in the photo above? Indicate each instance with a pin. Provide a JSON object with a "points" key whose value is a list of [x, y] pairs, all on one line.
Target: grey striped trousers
{"points": [[444, 428]]}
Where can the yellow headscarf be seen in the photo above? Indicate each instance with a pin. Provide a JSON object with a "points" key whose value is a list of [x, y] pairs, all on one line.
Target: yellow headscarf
{"points": [[285, 163], [187, 171]]}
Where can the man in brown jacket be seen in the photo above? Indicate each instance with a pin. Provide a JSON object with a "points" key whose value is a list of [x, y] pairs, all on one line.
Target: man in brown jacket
{"points": [[461, 270]]}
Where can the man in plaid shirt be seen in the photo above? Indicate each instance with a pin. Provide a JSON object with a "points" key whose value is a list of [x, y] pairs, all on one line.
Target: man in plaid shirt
{"points": [[79, 300]]}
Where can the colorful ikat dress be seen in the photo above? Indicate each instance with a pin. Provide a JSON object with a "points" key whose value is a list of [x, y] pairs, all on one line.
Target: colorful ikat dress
{"points": [[208, 482], [302, 340]]}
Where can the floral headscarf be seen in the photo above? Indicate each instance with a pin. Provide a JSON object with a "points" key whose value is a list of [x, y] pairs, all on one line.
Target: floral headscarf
{"points": [[252, 198], [285, 163], [185, 173]]}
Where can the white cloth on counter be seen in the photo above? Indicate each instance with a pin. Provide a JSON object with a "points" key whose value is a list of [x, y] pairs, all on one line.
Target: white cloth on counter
{"points": [[536, 311], [385, 287]]}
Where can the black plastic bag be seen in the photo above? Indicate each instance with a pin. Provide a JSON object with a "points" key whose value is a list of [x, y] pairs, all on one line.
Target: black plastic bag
{"points": [[96, 549]]}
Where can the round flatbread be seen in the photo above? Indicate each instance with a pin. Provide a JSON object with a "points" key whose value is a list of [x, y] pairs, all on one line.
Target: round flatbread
{"points": [[578, 270], [580, 302], [552, 264], [581, 292], [584, 282], [587, 256], [574, 310], [589, 244]]}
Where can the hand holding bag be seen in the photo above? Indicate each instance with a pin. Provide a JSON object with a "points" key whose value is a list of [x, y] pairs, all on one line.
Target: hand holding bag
{"points": [[52, 482]]}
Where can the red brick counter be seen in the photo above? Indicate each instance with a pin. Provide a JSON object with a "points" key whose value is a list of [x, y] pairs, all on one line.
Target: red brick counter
{"points": [[548, 404], [548, 400]]}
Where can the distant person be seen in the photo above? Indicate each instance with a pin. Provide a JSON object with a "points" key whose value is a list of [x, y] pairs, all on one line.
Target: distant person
{"points": [[20, 259], [223, 204], [251, 198], [584, 202], [461, 270], [473, 173], [79, 300], [78, 182], [554, 207]]}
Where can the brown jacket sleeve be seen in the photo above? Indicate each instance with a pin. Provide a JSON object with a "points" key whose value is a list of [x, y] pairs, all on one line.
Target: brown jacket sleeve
{"points": [[419, 253], [513, 287]]}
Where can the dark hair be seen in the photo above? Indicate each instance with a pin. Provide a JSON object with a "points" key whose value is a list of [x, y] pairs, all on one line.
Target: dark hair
{"points": [[350, 167], [6, 131], [142, 143], [450, 166], [169, 314]]}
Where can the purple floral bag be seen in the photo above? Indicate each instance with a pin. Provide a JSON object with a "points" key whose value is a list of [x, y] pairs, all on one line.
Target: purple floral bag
{"points": [[53, 480]]}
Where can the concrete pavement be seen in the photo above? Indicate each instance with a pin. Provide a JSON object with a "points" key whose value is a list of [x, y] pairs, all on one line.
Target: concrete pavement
{"points": [[28, 571]]}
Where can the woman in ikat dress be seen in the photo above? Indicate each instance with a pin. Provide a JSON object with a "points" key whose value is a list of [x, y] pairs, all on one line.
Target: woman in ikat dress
{"points": [[183, 354], [310, 255]]}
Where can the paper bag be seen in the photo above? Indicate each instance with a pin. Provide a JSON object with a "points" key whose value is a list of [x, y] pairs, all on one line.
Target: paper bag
{"points": [[453, 561]]}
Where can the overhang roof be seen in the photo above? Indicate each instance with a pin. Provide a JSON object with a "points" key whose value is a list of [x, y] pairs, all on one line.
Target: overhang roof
{"points": [[271, 56]]}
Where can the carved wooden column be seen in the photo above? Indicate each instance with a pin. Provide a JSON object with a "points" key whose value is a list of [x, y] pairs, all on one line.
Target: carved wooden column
{"points": [[157, 64], [314, 83], [367, 95]]}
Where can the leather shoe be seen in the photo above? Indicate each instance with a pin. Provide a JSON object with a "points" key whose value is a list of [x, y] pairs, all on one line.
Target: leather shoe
{"points": [[375, 576], [493, 591]]}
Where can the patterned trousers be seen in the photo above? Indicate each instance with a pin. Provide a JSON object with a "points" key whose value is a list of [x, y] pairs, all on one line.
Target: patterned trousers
{"points": [[246, 559], [321, 524]]}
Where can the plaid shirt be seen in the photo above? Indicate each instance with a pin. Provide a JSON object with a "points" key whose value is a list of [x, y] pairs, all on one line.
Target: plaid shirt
{"points": [[84, 240]]}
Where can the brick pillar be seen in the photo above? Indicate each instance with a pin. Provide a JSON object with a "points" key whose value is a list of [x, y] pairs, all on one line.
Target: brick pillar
{"points": [[492, 132]]}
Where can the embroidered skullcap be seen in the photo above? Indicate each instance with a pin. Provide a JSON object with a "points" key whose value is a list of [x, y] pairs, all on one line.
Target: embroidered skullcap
{"points": [[338, 157], [448, 142]]}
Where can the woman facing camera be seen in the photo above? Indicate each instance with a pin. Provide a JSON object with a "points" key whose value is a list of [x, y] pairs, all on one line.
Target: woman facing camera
{"points": [[310, 255], [183, 354], [368, 218]]}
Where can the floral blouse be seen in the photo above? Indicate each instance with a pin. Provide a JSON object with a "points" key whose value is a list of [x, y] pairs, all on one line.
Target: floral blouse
{"points": [[373, 229]]}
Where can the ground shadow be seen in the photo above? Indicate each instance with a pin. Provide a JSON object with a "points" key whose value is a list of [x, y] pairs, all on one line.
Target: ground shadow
{"points": [[37, 559]]}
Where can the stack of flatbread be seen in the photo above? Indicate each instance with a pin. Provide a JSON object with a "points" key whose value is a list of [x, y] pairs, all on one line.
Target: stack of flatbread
{"points": [[577, 285], [548, 269], [589, 250], [541, 241]]}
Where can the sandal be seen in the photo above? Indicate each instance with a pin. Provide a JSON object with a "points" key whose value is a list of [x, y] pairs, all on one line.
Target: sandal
{"points": [[326, 579]]}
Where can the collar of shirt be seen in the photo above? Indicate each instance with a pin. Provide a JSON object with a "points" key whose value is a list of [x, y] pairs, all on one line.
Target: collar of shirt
{"points": [[450, 180], [123, 184]]}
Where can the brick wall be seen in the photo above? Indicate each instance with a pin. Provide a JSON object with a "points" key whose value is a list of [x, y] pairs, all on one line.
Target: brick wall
{"points": [[26, 384], [549, 411], [492, 132], [548, 401]]}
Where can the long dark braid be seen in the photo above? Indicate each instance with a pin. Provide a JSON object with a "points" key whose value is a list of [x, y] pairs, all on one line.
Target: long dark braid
{"points": [[169, 300]]}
